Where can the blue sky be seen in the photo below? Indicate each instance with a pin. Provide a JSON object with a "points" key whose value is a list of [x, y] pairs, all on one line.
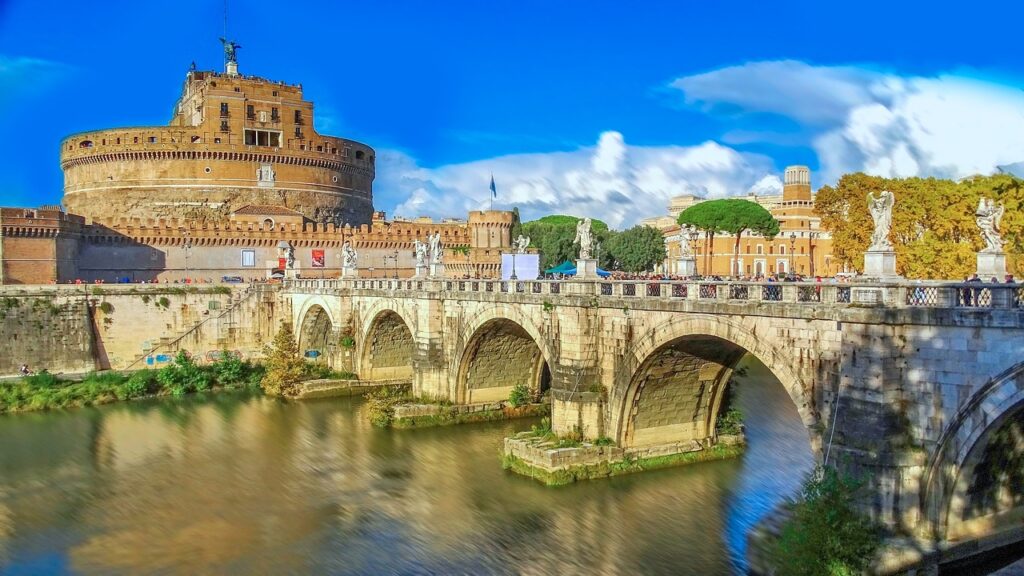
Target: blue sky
{"points": [[598, 108]]}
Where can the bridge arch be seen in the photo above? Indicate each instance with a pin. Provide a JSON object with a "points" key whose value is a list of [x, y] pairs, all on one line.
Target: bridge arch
{"points": [[974, 480], [670, 385], [387, 347], [316, 331], [502, 349]]}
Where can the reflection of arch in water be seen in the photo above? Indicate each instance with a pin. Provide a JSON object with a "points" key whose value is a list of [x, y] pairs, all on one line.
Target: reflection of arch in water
{"points": [[499, 355], [387, 348], [974, 483], [682, 368], [315, 332]]}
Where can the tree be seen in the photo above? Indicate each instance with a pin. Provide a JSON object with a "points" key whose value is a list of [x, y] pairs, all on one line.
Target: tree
{"points": [[730, 215], [744, 215], [934, 231], [553, 237], [285, 368], [517, 224], [638, 249], [826, 534]]}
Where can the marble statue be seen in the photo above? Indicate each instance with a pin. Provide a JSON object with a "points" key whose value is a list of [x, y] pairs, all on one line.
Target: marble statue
{"points": [[988, 216], [436, 254], [520, 244], [585, 239], [348, 256], [685, 249], [290, 255], [881, 212], [420, 249]]}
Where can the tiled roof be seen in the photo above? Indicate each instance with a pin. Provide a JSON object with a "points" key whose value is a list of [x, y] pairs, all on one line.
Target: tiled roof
{"points": [[266, 210]]}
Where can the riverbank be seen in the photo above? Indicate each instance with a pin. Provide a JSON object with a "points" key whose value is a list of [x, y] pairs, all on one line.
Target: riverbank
{"points": [[49, 392]]}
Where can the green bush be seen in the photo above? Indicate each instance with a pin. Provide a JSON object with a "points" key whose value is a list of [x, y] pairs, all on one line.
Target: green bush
{"points": [[729, 422], [138, 384], [825, 534], [520, 395], [229, 369], [380, 406]]}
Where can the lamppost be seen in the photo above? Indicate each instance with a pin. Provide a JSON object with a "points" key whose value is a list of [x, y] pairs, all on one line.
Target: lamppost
{"points": [[694, 235], [396, 264], [810, 249], [371, 271], [792, 252], [513, 276]]}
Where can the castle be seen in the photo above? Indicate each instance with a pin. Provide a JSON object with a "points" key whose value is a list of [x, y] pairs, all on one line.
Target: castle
{"points": [[237, 180]]}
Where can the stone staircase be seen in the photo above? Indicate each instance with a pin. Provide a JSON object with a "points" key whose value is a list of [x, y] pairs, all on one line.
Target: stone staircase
{"points": [[224, 326]]}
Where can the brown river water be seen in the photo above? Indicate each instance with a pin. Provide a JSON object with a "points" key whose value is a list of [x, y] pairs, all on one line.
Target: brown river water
{"points": [[245, 485]]}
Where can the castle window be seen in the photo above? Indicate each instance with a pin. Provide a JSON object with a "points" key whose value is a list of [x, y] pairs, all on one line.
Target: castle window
{"points": [[249, 257], [274, 93], [224, 109], [760, 248], [298, 132], [85, 144], [152, 139], [118, 140], [237, 89], [208, 169], [268, 223], [250, 112], [298, 116], [274, 116], [224, 126], [319, 148], [216, 140], [135, 140], [195, 139], [263, 138], [359, 154], [104, 141]]}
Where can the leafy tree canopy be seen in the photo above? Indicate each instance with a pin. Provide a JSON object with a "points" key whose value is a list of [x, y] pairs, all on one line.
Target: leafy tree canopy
{"points": [[638, 249], [933, 227], [554, 235], [731, 216]]}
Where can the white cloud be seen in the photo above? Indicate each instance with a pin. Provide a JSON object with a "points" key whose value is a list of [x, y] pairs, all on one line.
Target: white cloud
{"points": [[878, 122], [612, 181]]}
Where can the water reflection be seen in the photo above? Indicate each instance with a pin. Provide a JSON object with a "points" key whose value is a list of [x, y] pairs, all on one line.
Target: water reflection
{"points": [[249, 485]]}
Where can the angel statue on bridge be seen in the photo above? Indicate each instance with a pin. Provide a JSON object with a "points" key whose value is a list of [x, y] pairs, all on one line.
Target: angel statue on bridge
{"points": [[585, 239], [348, 256], [420, 251], [988, 216], [521, 244], [881, 213]]}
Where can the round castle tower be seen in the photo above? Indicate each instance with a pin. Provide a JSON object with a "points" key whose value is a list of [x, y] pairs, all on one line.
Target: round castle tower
{"points": [[233, 141]]}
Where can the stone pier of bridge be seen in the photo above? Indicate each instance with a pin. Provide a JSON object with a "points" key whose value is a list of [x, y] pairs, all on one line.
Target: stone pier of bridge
{"points": [[918, 387]]}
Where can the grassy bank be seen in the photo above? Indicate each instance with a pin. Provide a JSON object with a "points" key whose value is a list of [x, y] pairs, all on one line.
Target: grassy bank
{"points": [[607, 469], [46, 391]]}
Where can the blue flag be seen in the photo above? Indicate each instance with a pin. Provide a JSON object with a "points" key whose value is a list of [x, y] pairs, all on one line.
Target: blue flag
{"points": [[494, 190]]}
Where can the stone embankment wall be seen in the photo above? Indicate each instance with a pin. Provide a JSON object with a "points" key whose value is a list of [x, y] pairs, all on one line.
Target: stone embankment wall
{"points": [[45, 333], [85, 328]]}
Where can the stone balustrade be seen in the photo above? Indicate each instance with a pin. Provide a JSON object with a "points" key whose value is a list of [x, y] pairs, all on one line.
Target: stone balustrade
{"points": [[890, 295]]}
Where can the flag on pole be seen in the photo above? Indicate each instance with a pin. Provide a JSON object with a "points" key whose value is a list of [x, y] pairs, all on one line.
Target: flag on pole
{"points": [[494, 190]]}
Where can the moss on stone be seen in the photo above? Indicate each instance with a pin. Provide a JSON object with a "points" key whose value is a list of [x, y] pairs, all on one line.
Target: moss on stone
{"points": [[449, 415]]}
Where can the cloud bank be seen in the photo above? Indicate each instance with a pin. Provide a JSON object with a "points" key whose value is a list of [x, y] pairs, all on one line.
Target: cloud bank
{"points": [[878, 122], [612, 180]]}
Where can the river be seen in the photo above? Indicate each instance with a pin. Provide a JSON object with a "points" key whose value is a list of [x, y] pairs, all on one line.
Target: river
{"points": [[242, 484]]}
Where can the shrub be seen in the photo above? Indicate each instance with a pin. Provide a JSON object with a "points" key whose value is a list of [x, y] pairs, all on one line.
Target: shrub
{"points": [[348, 342], [138, 384], [107, 307], [229, 369], [183, 376], [826, 534], [729, 422], [163, 302], [604, 441], [520, 395], [380, 406]]}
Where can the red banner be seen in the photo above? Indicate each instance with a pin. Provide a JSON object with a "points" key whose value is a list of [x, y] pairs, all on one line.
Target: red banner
{"points": [[282, 262], [318, 259]]}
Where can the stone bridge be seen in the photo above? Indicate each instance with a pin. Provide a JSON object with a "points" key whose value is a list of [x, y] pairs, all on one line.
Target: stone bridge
{"points": [[919, 388]]}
